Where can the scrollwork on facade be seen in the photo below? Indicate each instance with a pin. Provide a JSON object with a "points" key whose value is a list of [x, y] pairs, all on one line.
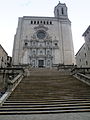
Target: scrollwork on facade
{"points": [[41, 27]]}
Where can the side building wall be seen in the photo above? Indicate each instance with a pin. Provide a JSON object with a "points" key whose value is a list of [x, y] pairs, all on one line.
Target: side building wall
{"points": [[3, 57], [83, 55]]}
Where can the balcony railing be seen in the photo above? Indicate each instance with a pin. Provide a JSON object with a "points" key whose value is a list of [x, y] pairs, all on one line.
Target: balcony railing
{"points": [[40, 56], [39, 47]]}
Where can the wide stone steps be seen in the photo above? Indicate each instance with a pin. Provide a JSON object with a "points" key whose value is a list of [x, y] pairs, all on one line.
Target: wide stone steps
{"points": [[55, 104], [48, 91], [43, 112], [46, 87], [45, 101], [47, 72], [45, 107]]}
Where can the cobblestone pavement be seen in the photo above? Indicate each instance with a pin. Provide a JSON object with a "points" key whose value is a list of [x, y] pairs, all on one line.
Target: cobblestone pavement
{"points": [[65, 116]]}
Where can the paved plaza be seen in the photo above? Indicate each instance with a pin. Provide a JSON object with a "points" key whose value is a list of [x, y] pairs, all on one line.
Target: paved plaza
{"points": [[65, 116]]}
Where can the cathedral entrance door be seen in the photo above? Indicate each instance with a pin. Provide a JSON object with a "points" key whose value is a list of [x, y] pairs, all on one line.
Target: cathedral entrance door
{"points": [[40, 63]]}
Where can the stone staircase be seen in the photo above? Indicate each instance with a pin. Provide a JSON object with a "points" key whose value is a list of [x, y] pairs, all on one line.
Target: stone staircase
{"points": [[48, 91], [47, 72]]}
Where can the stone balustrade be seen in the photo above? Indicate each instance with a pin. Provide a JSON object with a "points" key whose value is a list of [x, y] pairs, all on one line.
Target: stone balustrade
{"points": [[84, 78], [82, 74], [11, 86], [12, 83], [9, 78], [85, 70]]}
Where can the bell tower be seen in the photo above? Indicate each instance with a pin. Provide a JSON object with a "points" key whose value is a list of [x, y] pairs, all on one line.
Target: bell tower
{"points": [[60, 11]]}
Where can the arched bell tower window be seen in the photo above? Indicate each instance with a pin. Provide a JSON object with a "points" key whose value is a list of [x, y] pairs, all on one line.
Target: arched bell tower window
{"points": [[62, 11]]}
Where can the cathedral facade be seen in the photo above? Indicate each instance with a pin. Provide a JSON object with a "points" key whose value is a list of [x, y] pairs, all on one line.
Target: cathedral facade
{"points": [[44, 41]]}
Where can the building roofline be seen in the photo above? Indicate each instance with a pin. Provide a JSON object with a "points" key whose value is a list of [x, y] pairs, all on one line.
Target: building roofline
{"points": [[80, 49], [88, 29], [3, 49], [37, 17], [42, 17]]}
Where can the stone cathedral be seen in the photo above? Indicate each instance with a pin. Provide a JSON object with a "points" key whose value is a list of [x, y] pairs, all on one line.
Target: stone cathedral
{"points": [[44, 41]]}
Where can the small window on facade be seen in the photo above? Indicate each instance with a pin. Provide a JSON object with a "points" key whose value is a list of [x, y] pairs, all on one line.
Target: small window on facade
{"points": [[50, 22], [41, 22], [44, 22], [47, 43], [37, 22], [41, 52], [34, 52], [34, 22], [26, 43], [34, 43], [80, 60], [31, 22], [47, 22], [86, 62], [40, 44], [7, 57], [85, 54], [48, 52], [48, 63], [55, 44], [2, 59]]}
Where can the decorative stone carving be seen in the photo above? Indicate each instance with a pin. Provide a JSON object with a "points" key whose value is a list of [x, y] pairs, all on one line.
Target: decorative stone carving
{"points": [[41, 27]]}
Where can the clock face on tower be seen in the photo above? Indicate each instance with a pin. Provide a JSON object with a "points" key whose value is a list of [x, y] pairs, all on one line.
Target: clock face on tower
{"points": [[41, 34]]}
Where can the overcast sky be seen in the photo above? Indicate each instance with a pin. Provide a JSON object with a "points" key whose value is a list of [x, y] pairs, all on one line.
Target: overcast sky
{"points": [[10, 10]]}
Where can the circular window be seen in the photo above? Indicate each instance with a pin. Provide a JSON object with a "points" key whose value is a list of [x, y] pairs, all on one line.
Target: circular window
{"points": [[41, 34]]}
